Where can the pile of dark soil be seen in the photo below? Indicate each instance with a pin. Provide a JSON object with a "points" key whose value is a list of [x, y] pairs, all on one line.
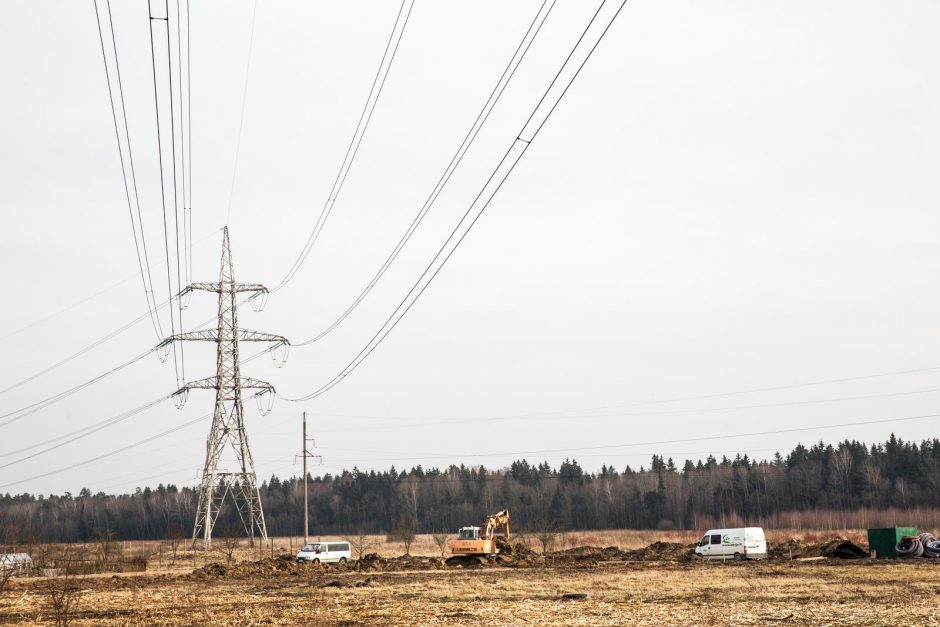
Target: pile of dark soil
{"points": [[503, 546], [662, 552], [834, 548], [373, 562], [584, 551], [281, 565]]}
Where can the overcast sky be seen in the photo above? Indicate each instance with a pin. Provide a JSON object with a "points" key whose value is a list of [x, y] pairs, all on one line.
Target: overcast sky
{"points": [[732, 196]]}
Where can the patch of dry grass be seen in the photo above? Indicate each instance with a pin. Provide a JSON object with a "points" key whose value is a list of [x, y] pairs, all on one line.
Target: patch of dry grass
{"points": [[850, 593]]}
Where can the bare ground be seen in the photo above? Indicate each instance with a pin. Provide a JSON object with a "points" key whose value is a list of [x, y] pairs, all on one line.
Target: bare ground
{"points": [[618, 592]]}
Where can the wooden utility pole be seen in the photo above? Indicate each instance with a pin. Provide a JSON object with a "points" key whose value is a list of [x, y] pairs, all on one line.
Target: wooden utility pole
{"points": [[306, 453], [306, 508]]}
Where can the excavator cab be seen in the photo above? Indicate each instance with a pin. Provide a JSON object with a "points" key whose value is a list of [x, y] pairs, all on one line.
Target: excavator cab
{"points": [[468, 533]]}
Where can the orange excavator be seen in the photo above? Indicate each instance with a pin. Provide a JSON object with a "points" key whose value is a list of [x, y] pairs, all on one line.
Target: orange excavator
{"points": [[474, 544]]}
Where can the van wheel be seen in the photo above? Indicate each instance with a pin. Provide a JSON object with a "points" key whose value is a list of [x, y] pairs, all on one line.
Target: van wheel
{"points": [[738, 557], [315, 560], [342, 560]]}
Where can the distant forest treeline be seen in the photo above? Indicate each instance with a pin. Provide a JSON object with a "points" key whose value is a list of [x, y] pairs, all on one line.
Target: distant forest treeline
{"points": [[823, 486]]}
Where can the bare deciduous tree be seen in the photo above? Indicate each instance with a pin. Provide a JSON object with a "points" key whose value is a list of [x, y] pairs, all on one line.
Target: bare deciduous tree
{"points": [[440, 541], [546, 533], [5, 574], [63, 594], [230, 543], [174, 541], [359, 542], [106, 548], [405, 532]]}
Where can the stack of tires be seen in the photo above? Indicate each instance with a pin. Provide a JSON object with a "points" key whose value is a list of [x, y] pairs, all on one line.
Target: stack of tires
{"points": [[924, 545]]}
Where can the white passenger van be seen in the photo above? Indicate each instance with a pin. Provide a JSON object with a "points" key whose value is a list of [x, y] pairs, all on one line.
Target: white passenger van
{"points": [[739, 544], [326, 552]]}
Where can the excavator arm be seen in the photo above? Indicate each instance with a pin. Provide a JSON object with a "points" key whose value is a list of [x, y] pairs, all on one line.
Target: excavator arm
{"points": [[499, 520]]}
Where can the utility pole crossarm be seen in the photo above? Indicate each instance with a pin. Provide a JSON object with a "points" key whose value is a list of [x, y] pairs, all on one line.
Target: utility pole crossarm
{"points": [[224, 287]]}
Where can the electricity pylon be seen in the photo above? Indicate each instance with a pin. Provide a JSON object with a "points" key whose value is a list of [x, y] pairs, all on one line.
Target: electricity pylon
{"points": [[228, 426]]}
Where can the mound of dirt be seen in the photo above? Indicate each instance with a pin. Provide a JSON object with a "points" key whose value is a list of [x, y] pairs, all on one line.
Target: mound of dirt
{"points": [[373, 561], [834, 548], [662, 552], [585, 555], [281, 565], [578, 550], [503, 546]]}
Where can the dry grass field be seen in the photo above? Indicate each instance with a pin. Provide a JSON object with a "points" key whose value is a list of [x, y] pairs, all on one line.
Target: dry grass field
{"points": [[619, 592]]}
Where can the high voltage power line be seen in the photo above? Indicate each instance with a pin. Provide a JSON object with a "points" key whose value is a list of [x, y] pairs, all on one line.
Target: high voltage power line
{"points": [[517, 148], [697, 410], [109, 453], [241, 120], [543, 415], [698, 438], [143, 261], [352, 149], [527, 134], [68, 438], [378, 83], [22, 412], [100, 340], [518, 55], [166, 235], [567, 450]]}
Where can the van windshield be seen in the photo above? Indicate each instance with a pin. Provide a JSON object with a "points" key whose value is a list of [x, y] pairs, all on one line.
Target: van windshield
{"points": [[309, 548]]}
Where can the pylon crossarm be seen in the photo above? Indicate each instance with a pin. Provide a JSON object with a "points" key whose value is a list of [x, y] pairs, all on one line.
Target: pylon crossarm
{"points": [[250, 287], [256, 384], [209, 383], [206, 335], [207, 286], [212, 383], [204, 286], [247, 335]]}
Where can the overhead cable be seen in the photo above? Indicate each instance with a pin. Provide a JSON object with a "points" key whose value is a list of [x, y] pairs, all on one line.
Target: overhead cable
{"points": [[166, 234], [241, 120], [188, 209], [378, 83], [518, 55], [582, 417], [130, 182], [22, 412], [517, 148], [698, 438], [79, 434], [99, 341], [176, 194], [108, 454]]}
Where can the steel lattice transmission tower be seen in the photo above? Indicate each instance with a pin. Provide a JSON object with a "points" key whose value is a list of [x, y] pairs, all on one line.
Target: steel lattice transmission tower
{"points": [[228, 440]]}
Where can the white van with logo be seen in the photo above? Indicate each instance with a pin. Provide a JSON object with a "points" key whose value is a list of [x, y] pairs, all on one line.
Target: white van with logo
{"points": [[325, 552], [745, 543]]}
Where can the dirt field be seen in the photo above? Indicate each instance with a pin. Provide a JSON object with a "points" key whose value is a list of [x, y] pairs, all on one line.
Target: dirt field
{"points": [[635, 585]]}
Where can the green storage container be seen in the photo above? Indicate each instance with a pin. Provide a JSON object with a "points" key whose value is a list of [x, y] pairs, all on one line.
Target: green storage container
{"points": [[883, 541]]}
